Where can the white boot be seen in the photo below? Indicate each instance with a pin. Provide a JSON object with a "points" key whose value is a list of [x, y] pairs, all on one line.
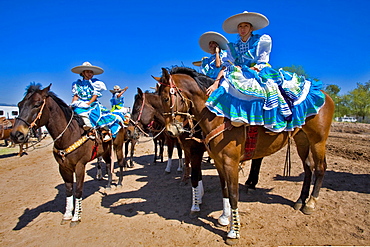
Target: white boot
{"points": [[201, 191], [235, 225], [196, 196], [69, 208], [224, 219], [181, 165], [78, 210], [168, 167]]}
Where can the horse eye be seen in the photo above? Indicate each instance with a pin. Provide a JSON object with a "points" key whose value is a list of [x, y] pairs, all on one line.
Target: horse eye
{"points": [[166, 99], [37, 105]]}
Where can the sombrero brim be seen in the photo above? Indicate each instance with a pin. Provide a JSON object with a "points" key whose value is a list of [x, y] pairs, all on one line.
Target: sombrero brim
{"points": [[78, 69], [212, 36], [257, 20], [116, 91], [197, 63]]}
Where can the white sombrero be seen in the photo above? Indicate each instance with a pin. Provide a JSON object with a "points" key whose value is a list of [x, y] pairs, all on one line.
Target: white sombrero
{"points": [[257, 20], [207, 37], [87, 66], [116, 89]]}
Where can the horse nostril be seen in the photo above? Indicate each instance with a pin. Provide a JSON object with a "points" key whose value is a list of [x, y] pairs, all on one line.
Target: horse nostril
{"points": [[17, 137]]}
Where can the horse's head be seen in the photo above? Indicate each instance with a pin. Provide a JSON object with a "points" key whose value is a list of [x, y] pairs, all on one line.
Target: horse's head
{"points": [[176, 106], [183, 95], [30, 113], [146, 109]]}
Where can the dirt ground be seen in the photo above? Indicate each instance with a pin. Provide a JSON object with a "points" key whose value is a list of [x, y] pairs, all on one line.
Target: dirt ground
{"points": [[152, 208]]}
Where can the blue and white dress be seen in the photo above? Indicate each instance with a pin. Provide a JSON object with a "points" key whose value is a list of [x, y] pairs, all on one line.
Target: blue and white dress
{"points": [[99, 115], [209, 67], [278, 100], [118, 109]]}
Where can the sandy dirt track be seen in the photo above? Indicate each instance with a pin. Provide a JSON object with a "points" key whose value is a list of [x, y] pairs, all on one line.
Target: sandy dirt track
{"points": [[152, 208]]}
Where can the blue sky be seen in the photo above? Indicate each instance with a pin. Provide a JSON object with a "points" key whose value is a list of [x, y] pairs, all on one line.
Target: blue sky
{"points": [[42, 40]]}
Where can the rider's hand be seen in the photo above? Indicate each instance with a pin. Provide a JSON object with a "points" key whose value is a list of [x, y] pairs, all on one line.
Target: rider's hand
{"points": [[212, 88]]}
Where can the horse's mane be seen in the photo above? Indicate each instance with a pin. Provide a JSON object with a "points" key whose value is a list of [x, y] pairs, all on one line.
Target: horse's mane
{"points": [[36, 87], [202, 80]]}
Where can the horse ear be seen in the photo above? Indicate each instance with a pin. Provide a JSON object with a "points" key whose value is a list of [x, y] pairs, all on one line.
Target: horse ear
{"points": [[140, 92], [156, 78], [46, 90], [165, 74]]}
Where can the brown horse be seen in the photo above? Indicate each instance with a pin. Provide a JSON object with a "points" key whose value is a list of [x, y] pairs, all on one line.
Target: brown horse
{"points": [[194, 150], [72, 147], [6, 127], [183, 96], [146, 112]]}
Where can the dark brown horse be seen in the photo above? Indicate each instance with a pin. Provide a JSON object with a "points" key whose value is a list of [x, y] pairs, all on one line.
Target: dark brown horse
{"points": [[72, 147], [193, 149], [183, 96], [144, 115]]}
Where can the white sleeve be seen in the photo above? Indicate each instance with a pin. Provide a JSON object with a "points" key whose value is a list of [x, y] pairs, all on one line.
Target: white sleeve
{"points": [[263, 51], [99, 87]]}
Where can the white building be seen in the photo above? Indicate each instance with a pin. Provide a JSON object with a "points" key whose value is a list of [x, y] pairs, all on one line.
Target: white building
{"points": [[9, 112]]}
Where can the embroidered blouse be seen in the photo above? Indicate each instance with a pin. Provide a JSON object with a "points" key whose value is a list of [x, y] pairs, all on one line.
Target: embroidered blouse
{"points": [[85, 89]]}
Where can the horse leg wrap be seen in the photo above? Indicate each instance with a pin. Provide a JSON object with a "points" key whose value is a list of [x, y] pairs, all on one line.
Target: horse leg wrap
{"points": [[78, 210], [201, 191], [196, 199], [168, 167], [69, 208], [235, 225], [224, 219], [181, 165]]}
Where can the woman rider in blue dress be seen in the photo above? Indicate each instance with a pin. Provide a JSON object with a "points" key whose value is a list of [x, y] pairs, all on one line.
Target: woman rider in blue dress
{"points": [[85, 93], [249, 91]]}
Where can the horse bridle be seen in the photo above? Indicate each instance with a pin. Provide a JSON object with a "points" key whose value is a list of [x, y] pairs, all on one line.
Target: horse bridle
{"points": [[38, 117], [39, 114], [136, 123], [174, 92]]}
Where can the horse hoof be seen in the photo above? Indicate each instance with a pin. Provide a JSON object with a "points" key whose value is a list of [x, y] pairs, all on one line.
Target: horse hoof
{"points": [[250, 188], [298, 205], [308, 210], [74, 223], [194, 214], [63, 222], [232, 241]]}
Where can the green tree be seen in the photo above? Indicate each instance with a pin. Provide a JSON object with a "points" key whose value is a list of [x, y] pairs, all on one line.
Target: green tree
{"points": [[359, 100], [340, 102], [298, 69]]}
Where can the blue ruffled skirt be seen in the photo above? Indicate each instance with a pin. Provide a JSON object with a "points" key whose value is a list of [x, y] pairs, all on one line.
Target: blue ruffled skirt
{"points": [[101, 117], [277, 100]]}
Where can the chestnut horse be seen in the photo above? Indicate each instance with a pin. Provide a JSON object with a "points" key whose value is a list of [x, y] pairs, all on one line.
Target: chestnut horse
{"points": [[146, 114], [6, 127], [72, 147], [183, 97]]}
